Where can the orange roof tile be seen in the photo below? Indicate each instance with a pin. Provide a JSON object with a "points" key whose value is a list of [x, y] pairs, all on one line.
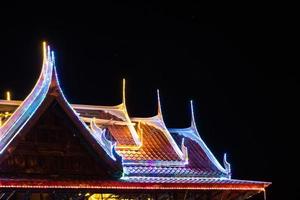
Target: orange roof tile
{"points": [[122, 135], [155, 146]]}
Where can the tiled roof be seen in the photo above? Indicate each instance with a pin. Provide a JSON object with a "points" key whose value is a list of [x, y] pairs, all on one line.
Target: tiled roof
{"points": [[141, 179], [154, 156], [155, 146], [122, 135], [168, 171], [198, 158], [100, 114]]}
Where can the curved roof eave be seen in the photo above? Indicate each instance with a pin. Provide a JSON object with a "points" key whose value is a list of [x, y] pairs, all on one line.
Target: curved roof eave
{"points": [[192, 133]]}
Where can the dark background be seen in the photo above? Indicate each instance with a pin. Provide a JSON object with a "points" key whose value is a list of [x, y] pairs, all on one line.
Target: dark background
{"points": [[226, 58]]}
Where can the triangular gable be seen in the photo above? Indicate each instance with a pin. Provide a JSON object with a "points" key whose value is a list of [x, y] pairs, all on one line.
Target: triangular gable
{"points": [[52, 146], [46, 92]]}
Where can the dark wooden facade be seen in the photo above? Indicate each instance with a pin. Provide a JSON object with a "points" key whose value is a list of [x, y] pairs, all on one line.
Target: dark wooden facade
{"points": [[53, 148]]}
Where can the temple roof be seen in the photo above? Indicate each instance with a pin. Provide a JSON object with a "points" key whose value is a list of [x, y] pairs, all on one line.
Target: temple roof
{"points": [[147, 152]]}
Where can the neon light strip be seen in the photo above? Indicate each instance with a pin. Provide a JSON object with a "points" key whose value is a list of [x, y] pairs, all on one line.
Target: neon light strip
{"points": [[202, 179], [132, 186], [169, 171], [153, 163]]}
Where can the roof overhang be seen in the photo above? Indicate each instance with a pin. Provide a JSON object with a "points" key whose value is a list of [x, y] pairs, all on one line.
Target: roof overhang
{"points": [[37, 184]]}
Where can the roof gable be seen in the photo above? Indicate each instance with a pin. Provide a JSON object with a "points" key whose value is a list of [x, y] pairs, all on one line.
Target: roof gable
{"points": [[47, 91], [52, 146]]}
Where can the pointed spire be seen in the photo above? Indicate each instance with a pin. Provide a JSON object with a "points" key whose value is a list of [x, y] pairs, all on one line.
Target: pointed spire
{"points": [[44, 52], [53, 58], [47, 61], [54, 80], [193, 122], [124, 93], [159, 111], [8, 95], [49, 53]]}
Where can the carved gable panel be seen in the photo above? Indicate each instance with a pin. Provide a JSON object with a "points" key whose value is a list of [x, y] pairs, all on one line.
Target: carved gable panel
{"points": [[53, 148]]}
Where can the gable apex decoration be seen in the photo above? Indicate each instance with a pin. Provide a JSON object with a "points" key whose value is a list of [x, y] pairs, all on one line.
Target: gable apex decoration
{"points": [[159, 110]]}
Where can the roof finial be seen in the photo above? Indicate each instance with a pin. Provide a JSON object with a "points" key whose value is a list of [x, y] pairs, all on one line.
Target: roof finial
{"points": [[227, 166], [55, 81], [49, 53], [8, 96], [124, 93], [159, 112], [44, 51], [193, 122], [53, 58]]}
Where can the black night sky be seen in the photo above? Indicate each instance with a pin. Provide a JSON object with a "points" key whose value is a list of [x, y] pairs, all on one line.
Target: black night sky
{"points": [[221, 58]]}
